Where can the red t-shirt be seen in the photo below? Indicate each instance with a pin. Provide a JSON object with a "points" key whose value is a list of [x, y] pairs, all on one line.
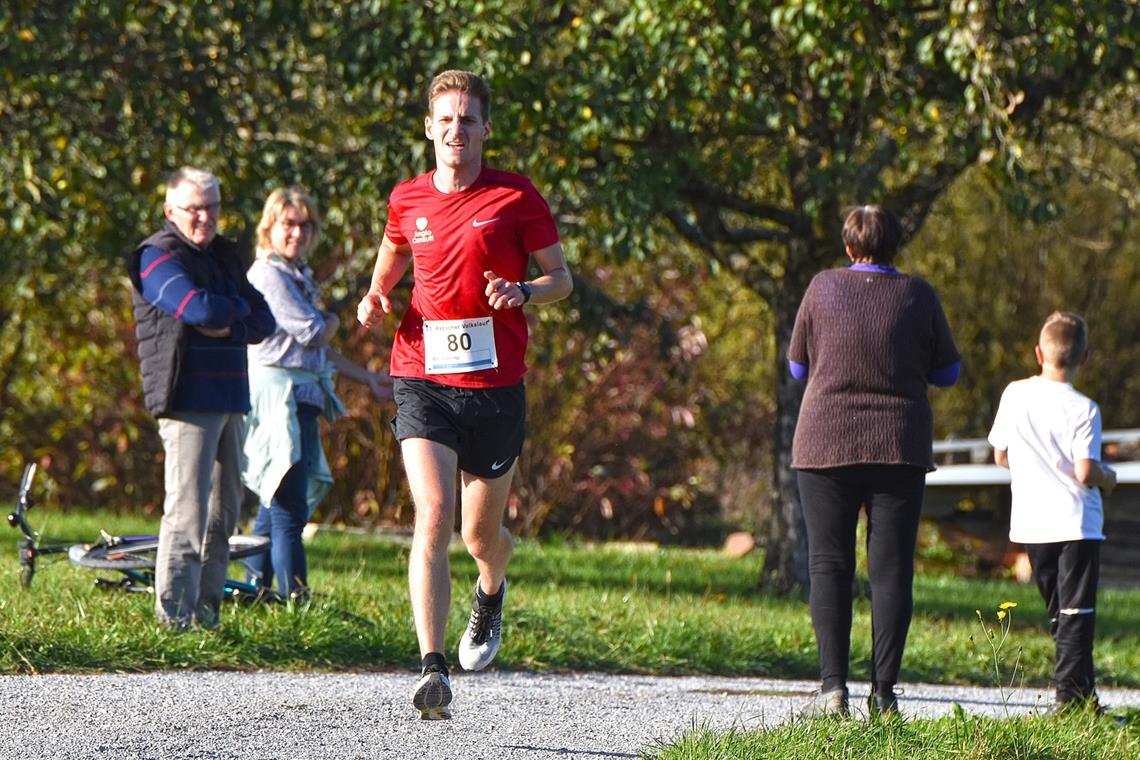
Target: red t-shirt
{"points": [[493, 225]]}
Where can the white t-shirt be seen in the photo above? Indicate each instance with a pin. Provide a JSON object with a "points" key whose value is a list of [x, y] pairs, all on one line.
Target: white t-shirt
{"points": [[1046, 426]]}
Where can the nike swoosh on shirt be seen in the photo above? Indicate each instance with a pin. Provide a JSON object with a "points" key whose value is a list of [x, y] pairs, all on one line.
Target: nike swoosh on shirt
{"points": [[478, 223]]}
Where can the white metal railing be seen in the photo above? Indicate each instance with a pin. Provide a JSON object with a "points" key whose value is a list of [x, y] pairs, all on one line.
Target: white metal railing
{"points": [[951, 445], [980, 471]]}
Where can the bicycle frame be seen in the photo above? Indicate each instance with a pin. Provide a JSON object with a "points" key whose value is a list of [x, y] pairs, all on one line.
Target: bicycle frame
{"points": [[141, 580], [29, 547]]}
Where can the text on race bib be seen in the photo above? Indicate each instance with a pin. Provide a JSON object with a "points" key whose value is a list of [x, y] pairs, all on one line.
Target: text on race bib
{"points": [[459, 345]]}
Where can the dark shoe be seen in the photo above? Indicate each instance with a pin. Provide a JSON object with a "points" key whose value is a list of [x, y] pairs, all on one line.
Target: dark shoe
{"points": [[208, 617], [833, 703], [484, 634], [301, 596], [883, 705], [432, 696]]}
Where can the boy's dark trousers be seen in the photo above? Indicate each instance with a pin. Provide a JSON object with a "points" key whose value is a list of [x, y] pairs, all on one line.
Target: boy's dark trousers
{"points": [[1067, 573]]}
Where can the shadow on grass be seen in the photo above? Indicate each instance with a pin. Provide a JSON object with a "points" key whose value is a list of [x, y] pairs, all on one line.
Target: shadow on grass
{"points": [[655, 571]]}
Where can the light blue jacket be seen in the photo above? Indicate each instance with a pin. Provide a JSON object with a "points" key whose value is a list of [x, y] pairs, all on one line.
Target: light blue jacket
{"points": [[273, 438]]}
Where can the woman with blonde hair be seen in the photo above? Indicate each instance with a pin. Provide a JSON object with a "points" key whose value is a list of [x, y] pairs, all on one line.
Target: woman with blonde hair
{"points": [[291, 386]]}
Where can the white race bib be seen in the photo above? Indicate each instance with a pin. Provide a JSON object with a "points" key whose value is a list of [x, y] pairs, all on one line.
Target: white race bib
{"points": [[459, 345]]}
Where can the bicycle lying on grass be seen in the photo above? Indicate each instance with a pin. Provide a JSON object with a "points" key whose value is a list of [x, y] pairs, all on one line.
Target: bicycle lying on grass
{"points": [[133, 557]]}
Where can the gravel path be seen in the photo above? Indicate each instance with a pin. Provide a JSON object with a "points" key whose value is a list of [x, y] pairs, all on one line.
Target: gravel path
{"points": [[498, 715]]}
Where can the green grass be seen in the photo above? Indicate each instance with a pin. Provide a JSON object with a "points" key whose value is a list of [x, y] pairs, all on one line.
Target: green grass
{"points": [[571, 607], [576, 607], [958, 736]]}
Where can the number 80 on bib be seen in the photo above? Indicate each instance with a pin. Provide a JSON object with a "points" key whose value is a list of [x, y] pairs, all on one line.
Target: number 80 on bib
{"points": [[459, 345]]}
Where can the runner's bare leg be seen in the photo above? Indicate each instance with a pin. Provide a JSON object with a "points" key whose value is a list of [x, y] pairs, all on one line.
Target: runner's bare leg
{"points": [[484, 501], [431, 469]]}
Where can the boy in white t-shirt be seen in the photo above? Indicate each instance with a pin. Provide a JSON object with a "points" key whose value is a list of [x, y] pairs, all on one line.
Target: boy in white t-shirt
{"points": [[1048, 435]]}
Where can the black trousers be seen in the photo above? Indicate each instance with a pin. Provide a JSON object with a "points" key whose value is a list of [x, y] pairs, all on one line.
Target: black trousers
{"points": [[1067, 574], [831, 500]]}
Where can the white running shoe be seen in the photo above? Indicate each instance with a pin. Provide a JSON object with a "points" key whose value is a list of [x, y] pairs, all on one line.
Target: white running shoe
{"points": [[484, 634], [433, 695]]}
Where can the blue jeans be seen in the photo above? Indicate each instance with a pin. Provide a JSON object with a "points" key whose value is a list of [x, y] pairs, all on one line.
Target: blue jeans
{"points": [[284, 520]]}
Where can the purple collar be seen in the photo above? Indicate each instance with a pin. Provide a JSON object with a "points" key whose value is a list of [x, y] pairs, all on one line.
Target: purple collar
{"points": [[880, 268]]}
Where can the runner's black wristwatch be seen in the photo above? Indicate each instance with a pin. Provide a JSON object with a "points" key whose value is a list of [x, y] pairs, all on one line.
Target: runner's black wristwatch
{"points": [[525, 291]]}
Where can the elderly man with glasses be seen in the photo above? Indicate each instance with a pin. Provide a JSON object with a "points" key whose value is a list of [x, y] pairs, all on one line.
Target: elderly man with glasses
{"points": [[195, 313]]}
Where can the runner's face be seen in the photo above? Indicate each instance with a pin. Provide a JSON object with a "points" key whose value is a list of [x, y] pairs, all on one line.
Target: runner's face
{"points": [[291, 234], [457, 129], [195, 212]]}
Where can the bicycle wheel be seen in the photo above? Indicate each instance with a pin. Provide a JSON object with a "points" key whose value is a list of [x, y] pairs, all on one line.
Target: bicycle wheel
{"points": [[139, 554], [128, 554], [242, 546]]}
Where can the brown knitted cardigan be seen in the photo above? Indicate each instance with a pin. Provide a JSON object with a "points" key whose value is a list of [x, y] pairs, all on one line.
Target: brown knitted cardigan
{"points": [[870, 339]]}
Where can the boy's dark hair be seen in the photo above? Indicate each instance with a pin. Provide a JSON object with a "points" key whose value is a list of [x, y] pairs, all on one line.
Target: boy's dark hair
{"points": [[872, 232], [1064, 339], [455, 80]]}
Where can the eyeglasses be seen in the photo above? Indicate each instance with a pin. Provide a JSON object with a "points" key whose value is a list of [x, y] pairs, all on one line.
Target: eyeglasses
{"points": [[209, 208], [290, 225]]}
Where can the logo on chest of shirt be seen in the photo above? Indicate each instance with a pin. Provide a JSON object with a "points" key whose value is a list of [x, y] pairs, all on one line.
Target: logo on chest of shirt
{"points": [[422, 233]]}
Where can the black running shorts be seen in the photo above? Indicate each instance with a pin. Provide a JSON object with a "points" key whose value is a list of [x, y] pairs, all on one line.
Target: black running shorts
{"points": [[485, 426]]}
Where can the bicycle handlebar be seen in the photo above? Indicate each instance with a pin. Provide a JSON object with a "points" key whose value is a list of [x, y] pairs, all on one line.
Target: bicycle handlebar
{"points": [[24, 502], [26, 483]]}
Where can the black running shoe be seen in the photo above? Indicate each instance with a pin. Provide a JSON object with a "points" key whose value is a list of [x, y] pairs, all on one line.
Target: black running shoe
{"points": [[885, 705], [432, 696]]}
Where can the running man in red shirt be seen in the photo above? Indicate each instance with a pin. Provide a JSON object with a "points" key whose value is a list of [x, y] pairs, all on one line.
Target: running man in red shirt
{"points": [[458, 362]]}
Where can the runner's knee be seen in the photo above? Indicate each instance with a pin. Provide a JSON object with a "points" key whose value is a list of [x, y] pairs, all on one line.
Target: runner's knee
{"points": [[483, 543]]}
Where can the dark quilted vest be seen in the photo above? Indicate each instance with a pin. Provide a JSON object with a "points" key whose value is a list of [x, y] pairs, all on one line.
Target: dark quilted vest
{"points": [[161, 338]]}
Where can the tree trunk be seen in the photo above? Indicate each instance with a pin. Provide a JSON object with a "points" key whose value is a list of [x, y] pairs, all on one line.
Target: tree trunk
{"points": [[785, 560], [786, 557]]}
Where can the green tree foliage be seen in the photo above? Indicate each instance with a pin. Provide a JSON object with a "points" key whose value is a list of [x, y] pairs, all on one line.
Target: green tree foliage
{"points": [[735, 131], [749, 127], [103, 99], [99, 102], [1001, 276]]}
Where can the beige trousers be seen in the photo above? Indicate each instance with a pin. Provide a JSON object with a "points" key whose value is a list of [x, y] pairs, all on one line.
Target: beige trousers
{"points": [[200, 512]]}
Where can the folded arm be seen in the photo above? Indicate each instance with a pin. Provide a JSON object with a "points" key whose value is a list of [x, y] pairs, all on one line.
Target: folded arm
{"points": [[167, 285], [1091, 473]]}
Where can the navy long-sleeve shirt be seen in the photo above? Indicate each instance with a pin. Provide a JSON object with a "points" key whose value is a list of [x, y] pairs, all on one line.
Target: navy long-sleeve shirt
{"points": [[213, 376]]}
